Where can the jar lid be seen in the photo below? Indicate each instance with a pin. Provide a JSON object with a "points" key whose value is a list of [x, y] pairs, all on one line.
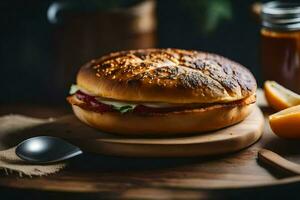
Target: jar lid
{"points": [[281, 15]]}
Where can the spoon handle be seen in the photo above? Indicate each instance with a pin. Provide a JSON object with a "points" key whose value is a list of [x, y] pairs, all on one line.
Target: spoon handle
{"points": [[270, 158]]}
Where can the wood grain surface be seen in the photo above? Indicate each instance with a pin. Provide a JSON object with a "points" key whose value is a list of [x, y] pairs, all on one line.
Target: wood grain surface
{"points": [[160, 177]]}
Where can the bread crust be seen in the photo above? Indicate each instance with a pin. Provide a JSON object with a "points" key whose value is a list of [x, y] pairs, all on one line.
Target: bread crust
{"points": [[189, 121], [166, 75]]}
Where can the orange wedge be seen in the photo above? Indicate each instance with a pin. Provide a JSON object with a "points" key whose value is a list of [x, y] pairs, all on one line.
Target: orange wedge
{"points": [[286, 123], [280, 97]]}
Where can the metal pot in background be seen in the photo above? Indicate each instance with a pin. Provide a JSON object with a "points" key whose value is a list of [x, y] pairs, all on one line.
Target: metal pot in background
{"points": [[83, 32]]}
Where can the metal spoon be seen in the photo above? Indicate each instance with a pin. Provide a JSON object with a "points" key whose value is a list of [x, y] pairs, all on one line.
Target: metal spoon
{"points": [[46, 149]]}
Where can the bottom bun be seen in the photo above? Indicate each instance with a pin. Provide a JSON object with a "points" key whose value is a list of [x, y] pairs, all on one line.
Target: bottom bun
{"points": [[173, 123]]}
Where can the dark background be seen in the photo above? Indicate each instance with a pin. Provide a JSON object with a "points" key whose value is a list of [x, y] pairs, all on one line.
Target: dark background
{"points": [[29, 62], [28, 49]]}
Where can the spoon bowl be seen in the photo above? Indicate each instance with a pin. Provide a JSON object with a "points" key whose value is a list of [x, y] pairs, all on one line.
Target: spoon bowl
{"points": [[46, 149]]}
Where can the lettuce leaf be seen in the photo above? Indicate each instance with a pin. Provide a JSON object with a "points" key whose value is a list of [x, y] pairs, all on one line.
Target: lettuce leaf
{"points": [[122, 107], [125, 109], [74, 88]]}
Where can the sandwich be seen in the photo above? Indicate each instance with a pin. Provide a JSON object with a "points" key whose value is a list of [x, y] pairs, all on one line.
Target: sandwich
{"points": [[162, 92]]}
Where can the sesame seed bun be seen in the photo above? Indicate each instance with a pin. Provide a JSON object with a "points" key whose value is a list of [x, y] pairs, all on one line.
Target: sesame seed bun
{"points": [[166, 75]]}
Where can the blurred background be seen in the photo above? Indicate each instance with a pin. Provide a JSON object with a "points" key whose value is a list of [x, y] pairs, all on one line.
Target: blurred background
{"points": [[43, 43]]}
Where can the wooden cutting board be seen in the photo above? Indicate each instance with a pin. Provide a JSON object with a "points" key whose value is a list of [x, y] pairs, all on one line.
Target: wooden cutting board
{"points": [[226, 140]]}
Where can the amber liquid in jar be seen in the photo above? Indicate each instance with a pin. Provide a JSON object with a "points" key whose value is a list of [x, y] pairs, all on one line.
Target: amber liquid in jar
{"points": [[280, 57], [280, 43]]}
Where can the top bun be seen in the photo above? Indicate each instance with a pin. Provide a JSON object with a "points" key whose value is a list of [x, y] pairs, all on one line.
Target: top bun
{"points": [[166, 75]]}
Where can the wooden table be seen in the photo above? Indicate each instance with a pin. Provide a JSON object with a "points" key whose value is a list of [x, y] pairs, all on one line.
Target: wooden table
{"points": [[235, 175]]}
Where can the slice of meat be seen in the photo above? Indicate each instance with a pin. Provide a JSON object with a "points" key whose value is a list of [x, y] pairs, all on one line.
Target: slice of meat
{"points": [[89, 102]]}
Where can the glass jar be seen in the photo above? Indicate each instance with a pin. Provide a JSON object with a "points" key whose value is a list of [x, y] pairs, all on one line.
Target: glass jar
{"points": [[280, 43]]}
